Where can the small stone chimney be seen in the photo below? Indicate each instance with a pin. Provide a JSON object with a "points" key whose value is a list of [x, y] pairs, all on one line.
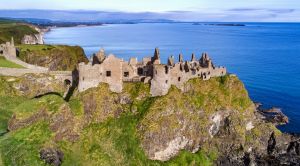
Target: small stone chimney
{"points": [[156, 58], [193, 58], [12, 42], [171, 61], [180, 58]]}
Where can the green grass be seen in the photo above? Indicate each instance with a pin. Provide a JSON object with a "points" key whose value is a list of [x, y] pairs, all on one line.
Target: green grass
{"points": [[55, 57], [22, 147], [8, 64], [7, 104], [14, 29]]}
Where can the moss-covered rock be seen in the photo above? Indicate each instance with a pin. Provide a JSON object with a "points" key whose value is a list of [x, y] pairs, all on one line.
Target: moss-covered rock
{"points": [[32, 85], [19, 90], [203, 125], [54, 57]]}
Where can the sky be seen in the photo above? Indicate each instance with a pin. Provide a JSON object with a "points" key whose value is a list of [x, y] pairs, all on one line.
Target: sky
{"points": [[239, 10]]}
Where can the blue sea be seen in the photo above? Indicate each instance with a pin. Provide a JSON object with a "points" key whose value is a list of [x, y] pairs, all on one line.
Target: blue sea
{"points": [[265, 56]]}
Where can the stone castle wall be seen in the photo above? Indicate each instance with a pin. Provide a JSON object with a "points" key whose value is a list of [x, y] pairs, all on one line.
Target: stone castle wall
{"points": [[109, 71], [8, 50], [115, 71]]}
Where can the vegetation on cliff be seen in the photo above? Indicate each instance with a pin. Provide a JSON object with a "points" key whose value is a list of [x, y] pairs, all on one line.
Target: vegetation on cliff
{"points": [[97, 127], [54, 57], [17, 30]]}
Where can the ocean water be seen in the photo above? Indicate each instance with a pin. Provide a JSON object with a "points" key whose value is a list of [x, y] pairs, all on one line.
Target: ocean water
{"points": [[265, 56]]}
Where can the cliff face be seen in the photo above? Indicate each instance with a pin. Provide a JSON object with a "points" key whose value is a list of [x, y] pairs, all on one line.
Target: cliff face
{"points": [[54, 57], [37, 38], [210, 122], [33, 39]]}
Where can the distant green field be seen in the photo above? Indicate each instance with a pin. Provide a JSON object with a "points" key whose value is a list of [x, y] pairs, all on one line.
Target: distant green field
{"points": [[11, 28], [6, 63]]}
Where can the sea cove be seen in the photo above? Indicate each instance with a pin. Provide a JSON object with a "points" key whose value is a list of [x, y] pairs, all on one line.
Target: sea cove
{"points": [[265, 56]]}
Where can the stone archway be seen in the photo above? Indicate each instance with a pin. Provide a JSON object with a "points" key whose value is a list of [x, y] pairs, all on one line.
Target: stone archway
{"points": [[67, 82]]}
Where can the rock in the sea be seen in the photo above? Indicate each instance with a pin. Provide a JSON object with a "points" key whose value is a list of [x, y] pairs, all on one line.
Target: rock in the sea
{"points": [[273, 115], [52, 156]]}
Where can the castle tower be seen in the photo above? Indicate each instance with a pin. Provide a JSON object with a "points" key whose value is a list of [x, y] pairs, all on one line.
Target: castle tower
{"points": [[161, 81]]}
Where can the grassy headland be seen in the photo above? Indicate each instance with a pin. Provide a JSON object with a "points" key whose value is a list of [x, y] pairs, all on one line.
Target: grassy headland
{"points": [[15, 29]]}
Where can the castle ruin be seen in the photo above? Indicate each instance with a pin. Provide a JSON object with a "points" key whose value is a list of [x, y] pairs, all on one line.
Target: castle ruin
{"points": [[114, 71], [8, 50]]}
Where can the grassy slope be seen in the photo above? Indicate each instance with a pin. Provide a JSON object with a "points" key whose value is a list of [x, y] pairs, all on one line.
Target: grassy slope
{"points": [[56, 57], [114, 141], [9, 64], [9, 28]]}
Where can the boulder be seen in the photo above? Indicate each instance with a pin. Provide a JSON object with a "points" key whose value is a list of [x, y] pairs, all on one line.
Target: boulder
{"points": [[52, 156]]}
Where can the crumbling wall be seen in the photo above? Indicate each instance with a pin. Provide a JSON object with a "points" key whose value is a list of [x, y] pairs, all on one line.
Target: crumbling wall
{"points": [[110, 72], [115, 71], [160, 83]]}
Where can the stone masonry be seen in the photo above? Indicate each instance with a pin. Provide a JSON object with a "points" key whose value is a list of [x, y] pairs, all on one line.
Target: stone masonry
{"points": [[8, 49], [114, 71]]}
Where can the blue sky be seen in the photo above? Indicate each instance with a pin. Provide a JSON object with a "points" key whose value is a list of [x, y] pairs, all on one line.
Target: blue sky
{"points": [[148, 5], [236, 10]]}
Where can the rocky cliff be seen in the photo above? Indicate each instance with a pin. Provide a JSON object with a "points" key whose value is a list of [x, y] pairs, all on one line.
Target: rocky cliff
{"points": [[211, 122], [37, 38], [54, 57]]}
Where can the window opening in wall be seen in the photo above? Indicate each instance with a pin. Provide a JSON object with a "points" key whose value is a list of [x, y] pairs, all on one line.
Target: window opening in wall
{"points": [[108, 73], [166, 81], [179, 79], [140, 71], [166, 69], [126, 74]]}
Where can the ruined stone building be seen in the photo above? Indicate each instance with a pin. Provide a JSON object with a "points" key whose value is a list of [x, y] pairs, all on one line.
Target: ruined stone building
{"points": [[8, 50], [114, 71]]}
